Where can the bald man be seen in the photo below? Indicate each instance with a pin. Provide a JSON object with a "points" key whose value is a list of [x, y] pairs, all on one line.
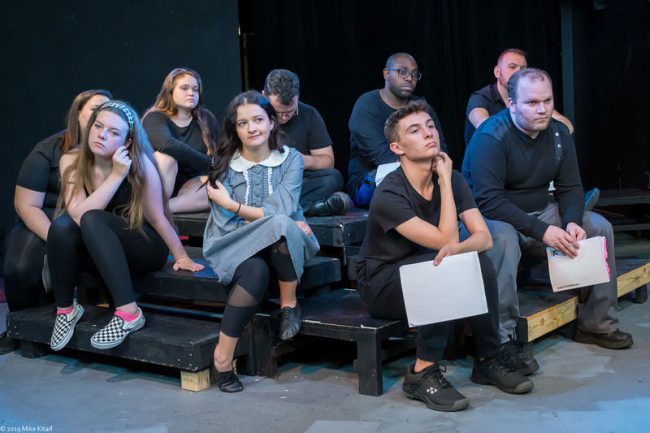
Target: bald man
{"points": [[493, 98], [368, 145]]}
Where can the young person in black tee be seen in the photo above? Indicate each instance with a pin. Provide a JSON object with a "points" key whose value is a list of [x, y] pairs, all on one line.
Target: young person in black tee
{"points": [[184, 135], [37, 189], [305, 131], [414, 218], [509, 163]]}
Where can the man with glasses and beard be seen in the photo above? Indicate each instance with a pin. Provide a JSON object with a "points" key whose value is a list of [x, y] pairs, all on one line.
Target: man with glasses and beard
{"points": [[305, 130], [368, 146]]}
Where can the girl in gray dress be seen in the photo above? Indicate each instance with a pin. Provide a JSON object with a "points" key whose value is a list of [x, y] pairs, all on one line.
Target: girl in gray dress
{"points": [[256, 226]]}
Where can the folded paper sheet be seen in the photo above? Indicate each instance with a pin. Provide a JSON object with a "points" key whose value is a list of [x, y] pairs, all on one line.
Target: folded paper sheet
{"points": [[451, 290], [588, 268], [384, 169]]}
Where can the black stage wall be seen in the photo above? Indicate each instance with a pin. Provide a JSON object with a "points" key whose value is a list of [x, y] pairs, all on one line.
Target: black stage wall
{"points": [[612, 91], [339, 49], [52, 50]]}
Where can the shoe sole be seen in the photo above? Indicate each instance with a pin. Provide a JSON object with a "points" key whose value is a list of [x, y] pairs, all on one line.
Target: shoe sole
{"points": [[457, 406], [104, 346], [522, 388], [66, 340], [588, 339]]}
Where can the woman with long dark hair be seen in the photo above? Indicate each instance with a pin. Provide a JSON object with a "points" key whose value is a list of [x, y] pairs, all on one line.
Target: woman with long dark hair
{"points": [[116, 215], [256, 226], [184, 134], [37, 189]]}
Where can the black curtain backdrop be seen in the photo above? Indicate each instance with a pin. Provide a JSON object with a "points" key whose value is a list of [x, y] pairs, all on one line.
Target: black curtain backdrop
{"points": [[612, 57], [53, 50], [339, 48]]}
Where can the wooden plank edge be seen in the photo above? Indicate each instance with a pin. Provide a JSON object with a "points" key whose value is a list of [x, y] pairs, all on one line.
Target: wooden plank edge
{"points": [[633, 279], [552, 318]]}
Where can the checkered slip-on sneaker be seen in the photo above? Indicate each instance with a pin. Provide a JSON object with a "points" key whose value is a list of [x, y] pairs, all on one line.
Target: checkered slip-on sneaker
{"points": [[115, 332], [64, 327]]}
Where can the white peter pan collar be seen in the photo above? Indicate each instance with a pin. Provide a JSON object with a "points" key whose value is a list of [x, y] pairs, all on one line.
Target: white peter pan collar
{"points": [[240, 164]]}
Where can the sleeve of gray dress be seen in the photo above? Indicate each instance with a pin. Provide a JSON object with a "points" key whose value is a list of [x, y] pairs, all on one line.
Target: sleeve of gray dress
{"points": [[223, 221], [286, 193]]}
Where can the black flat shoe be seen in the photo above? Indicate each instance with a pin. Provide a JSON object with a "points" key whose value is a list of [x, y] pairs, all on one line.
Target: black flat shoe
{"points": [[228, 381], [289, 322]]}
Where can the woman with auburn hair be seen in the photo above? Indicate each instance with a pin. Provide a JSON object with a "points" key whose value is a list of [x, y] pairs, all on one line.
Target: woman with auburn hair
{"points": [[37, 189], [183, 133], [115, 215], [256, 225]]}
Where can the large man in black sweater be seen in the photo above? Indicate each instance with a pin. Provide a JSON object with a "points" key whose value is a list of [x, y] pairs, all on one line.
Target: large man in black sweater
{"points": [[368, 146], [509, 163]]}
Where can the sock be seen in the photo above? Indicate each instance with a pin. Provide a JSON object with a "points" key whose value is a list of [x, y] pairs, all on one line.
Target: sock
{"points": [[128, 317], [64, 310]]}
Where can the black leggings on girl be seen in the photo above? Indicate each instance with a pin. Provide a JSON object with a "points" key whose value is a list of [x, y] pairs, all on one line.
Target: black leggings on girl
{"points": [[250, 283], [23, 265], [117, 252]]}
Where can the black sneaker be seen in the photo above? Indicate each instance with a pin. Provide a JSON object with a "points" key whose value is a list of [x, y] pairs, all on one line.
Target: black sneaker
{"points": [[289, 322], [492, 372], [513, 356], [7, 344], [431, 387]]}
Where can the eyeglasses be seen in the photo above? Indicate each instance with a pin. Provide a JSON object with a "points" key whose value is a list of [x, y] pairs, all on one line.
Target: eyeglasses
{"points": [[404, 73], [287, 114]]}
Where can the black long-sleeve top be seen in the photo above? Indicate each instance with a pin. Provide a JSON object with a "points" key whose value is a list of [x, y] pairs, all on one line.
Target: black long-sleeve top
{"points": [[184, 144], [509, 173]]}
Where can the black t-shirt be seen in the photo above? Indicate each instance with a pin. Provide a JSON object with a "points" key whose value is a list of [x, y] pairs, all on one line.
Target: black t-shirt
{"points": [[487, 98], [395, 201], [306, 130], [368, 145], [40, 170], [509, 173], [184, 144]]}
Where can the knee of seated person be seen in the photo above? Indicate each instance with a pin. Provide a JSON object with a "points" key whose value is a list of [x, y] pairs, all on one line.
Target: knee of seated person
{"points": [[282, 219], [333, 179], [504, 235], [92, 218], [61, 226], [258, 270], [166, 163], [597, 223]]}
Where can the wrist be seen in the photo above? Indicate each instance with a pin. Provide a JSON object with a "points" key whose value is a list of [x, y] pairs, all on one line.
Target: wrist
{"points": [[234, 207], [181, 258]]}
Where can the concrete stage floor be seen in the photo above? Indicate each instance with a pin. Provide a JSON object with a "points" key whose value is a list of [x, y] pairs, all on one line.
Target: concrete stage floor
{"points": [[579, 389]]}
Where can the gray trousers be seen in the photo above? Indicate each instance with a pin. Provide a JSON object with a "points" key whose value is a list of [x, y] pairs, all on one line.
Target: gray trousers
{"points": [[597, 314]]}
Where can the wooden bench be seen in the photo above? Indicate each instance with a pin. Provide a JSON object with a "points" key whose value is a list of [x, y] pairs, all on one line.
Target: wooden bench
{"points": [[168, 340], [542, 311], [338, 315], [178, 342]]}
